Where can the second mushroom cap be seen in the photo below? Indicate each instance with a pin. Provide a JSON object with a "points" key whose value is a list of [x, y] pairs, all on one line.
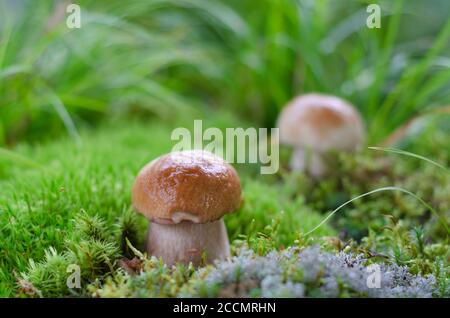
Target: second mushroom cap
{"points": [[321, 123]]}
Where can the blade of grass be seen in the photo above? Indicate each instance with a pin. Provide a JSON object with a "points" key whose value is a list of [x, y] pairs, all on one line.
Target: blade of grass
{"points": [[400, 132], [411, 77], [391, 188], [171, 98], [410, 154], [5, 37], [2, 134], [224, 14], [135, 250], [348, 26], [13, 70], [437, 82], [17, 158], [84, 102], [383, 62], [62, 112]]}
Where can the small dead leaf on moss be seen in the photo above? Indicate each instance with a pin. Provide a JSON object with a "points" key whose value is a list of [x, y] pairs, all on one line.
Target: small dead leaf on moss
{"points": [[26, 287], [335, 242], [131, 266]]}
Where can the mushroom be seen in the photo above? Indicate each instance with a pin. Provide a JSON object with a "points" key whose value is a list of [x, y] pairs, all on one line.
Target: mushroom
{"points": [[184, 195], [315, 124]]}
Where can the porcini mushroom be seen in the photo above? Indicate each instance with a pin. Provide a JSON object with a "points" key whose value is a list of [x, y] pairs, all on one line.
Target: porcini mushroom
{"points": [[184, 195], [314, 124]]}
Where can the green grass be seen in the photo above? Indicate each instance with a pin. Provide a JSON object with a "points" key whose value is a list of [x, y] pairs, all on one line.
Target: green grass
{"points": [[170, 57]]}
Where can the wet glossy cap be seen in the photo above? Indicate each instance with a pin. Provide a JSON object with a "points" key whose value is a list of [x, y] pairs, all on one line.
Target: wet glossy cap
{"points": [[321, 122], [194, 186]]}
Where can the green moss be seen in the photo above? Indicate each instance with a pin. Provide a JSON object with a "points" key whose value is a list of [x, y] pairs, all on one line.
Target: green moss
{"points": [[76, 210], [354, 174]]}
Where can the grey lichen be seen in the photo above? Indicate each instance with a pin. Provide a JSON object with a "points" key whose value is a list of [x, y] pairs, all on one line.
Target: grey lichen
{"points": [[308, 272]]}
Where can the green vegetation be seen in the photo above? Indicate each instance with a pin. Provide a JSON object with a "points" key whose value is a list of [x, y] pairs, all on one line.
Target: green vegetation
{"points": [[79, 205], [166, 57], [76, 209], [82, 110]]}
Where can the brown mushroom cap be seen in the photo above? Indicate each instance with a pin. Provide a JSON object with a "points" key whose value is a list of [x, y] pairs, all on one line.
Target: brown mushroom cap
{"points": [[320, 122], [194, 186]]}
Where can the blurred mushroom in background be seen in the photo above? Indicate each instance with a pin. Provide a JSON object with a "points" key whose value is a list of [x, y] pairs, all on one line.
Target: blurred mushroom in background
{"points": [[315, 124]]}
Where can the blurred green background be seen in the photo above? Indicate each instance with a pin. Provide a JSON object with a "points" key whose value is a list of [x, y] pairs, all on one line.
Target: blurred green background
{"points": [[136, 70], [170, 58]]}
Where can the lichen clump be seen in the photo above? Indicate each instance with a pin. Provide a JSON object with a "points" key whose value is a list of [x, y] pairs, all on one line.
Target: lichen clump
{"points": [[294, 272]]}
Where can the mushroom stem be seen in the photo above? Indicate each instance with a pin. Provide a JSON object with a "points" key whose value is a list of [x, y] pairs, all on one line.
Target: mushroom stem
{"points": [[308, 160], [187, 242]]}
